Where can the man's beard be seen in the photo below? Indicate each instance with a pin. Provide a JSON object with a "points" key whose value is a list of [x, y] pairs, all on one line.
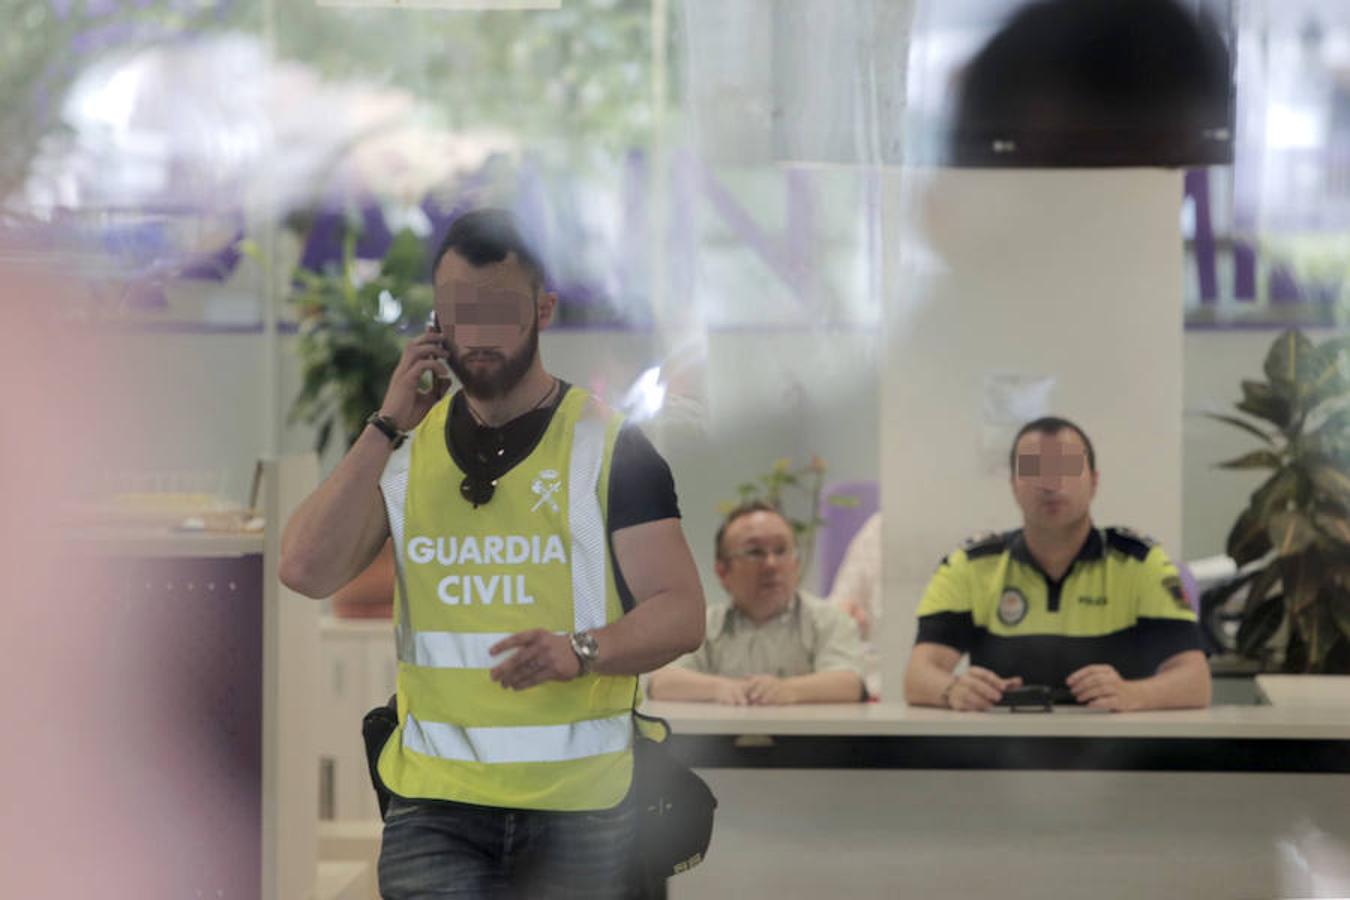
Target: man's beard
{"points": [[495, 383]]}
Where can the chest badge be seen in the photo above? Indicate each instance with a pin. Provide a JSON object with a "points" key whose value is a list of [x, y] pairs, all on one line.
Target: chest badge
{"points": [[1012, 606], [545, 485]]}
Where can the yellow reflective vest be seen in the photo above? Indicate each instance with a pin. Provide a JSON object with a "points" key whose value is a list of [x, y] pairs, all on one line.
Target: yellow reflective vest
{"points": [[535, 556]]}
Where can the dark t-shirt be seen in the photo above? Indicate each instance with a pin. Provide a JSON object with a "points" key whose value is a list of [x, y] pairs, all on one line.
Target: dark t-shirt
{"points": [[641, 487]]}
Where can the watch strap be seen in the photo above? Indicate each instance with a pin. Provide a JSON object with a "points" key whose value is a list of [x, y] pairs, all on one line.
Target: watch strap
{"points": [[946, 700], [585, 649], [385, 426]]}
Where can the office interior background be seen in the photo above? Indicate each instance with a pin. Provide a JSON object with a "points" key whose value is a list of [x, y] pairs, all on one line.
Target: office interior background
{"points": [[766, 251]]}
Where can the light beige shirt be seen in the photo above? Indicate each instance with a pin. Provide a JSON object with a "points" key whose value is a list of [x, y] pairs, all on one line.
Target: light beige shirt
{"points": [[809, 636]]}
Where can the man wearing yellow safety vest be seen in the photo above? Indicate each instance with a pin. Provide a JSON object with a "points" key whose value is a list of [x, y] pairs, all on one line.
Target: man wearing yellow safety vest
{"points": [[523, 520]]}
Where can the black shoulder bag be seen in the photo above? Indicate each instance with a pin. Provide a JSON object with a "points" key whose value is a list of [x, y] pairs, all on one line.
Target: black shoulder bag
{"points": [[675, 806], [376, 727]]}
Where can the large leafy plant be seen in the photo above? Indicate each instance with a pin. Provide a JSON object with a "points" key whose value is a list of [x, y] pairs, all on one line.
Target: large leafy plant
{"points": [[1293, 539], [352, 331]]}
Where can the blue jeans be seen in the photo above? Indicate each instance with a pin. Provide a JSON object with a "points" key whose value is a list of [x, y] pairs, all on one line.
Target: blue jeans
{"points": [[434, 850]]}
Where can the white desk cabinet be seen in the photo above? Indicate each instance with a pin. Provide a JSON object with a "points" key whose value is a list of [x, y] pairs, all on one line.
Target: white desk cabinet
{"points": [[359, 671], [880, 800]]}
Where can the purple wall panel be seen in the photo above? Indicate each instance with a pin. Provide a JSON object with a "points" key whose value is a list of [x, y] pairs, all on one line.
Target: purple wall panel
{"points": [[181, 663]]}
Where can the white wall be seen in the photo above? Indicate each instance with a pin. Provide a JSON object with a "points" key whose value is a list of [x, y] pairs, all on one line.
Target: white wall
{"points": [[767, 395], [785, 394], [200, 397], [761, 397]]}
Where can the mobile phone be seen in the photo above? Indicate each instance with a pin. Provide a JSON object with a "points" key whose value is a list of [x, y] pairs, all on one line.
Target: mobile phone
{"points": [[1037, 697], [439, 383], [1027, 698], [434, 323]]}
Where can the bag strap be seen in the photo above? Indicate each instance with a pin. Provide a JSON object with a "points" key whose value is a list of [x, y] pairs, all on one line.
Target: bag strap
{"points": [[652, 728]]}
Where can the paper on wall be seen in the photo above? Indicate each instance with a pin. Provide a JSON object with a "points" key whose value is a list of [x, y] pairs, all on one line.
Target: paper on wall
{"points": [[1009, 401]]}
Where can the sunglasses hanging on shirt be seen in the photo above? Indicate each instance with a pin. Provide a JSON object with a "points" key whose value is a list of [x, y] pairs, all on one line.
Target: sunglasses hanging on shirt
{"points": [[487, 452], [477, 491], [479, 483]]}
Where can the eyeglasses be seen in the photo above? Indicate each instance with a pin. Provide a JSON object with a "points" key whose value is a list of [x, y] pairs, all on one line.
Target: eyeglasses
{"points": [[760, 555]]}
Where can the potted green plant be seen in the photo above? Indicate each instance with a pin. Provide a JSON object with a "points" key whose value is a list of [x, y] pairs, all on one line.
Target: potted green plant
{"points": [[1292, 542], [352, 331], [351, 334]]}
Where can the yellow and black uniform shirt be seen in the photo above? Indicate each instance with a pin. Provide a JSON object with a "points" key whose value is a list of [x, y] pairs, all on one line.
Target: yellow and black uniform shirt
{"points": [[1120, 603]]}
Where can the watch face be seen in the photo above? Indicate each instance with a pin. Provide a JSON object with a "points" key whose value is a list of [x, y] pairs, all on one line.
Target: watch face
{"points": [[585, 645]]}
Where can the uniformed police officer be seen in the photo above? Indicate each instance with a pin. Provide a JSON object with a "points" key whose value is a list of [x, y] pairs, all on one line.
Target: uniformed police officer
{"points": [[523, 520], [1098, 615]]}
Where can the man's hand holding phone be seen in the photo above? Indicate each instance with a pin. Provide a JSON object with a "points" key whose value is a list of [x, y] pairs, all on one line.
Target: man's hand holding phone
{"points": [[978, 689], [406, 403]]}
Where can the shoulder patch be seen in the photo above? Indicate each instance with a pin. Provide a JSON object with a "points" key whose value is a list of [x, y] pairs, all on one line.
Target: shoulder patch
{"points": [[1172, 584], [1131, 543], [988, 543]]}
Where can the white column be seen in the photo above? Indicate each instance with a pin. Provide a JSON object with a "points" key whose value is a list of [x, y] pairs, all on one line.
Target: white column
{"points": [[1070, 274]]}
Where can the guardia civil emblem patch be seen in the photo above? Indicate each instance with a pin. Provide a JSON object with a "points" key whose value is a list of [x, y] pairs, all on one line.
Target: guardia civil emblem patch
{"points": [[1012, 606], [544, 486]]}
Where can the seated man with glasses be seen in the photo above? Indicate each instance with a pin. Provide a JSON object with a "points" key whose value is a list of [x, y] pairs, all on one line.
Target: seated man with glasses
{"points": [[773, 643]]}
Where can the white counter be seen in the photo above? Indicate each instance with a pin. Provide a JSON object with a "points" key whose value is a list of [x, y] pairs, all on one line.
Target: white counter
{"points": [[884, 800], [160, 543], [1310, 691], [1296, 722]]}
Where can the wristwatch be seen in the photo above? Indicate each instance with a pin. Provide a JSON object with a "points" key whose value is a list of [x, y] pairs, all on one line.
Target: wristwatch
{"points": [[385, 426], [586, 649]]}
